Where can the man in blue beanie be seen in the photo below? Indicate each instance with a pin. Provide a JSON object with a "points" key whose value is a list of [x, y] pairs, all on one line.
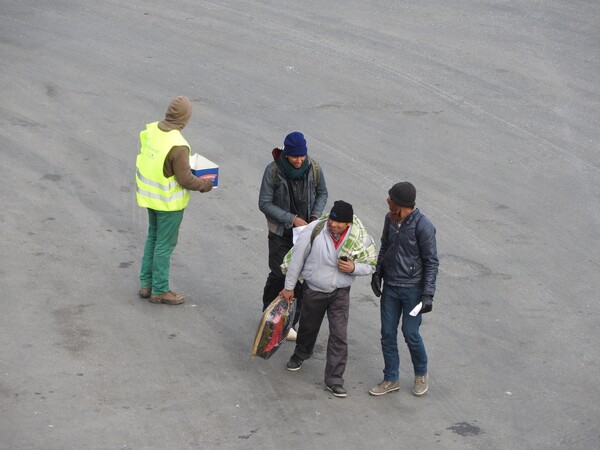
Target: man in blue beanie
{"points": [[292, 194]]}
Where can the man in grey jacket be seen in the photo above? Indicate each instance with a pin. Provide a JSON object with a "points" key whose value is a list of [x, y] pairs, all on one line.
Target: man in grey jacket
{"points": [[292, 194], [328, 255]]}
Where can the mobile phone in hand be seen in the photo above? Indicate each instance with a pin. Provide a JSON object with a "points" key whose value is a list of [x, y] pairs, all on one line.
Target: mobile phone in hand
{"points": [[343, 258]]}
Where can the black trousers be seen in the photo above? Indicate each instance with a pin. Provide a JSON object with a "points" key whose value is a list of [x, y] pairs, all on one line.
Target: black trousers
{"points": [[337, 307], [278, 247]]}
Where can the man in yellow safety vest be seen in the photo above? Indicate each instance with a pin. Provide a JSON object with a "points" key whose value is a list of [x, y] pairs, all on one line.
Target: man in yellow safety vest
{"points": [[164, 179]]}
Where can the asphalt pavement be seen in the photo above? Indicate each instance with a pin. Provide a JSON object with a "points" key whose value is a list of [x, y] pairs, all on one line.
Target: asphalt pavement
{"points": [[491, 108]]}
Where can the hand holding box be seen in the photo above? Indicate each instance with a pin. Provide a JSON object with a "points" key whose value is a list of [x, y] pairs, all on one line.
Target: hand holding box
{"points": [[204, 168]]}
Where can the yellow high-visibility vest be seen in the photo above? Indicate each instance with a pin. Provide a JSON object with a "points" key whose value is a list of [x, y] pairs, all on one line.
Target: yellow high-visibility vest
{"points": [[154, 190]]}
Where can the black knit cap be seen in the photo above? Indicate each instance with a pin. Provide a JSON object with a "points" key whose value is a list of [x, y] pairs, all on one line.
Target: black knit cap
{"points": [[403, 194], [342, 212]]}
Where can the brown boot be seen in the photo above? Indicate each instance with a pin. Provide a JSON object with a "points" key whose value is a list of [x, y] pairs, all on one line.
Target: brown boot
{"points": [[384, 387], [421, 385], [145, 292], [168, 298]]}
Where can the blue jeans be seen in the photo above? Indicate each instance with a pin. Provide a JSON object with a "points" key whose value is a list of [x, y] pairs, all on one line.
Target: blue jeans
{"points": [[397, 302]]}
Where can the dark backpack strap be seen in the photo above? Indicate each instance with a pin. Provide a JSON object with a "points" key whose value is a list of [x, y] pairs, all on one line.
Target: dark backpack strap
{"points": [[276, 152], [316, 230], [316, 172], [417, 233]]}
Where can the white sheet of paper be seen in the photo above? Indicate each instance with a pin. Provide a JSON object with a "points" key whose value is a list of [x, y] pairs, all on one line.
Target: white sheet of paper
{"points": [[416, 309], [296, 231]]}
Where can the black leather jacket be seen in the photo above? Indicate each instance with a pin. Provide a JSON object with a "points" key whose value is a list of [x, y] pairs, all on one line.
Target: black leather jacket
{"points": [[408, 253]]}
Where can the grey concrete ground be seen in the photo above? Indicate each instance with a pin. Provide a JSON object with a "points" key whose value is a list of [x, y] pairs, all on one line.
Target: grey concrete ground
{"points": [[491, 108]]}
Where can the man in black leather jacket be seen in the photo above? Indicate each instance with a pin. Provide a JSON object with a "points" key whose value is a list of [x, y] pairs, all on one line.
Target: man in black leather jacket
{"points": [[408, 265]]}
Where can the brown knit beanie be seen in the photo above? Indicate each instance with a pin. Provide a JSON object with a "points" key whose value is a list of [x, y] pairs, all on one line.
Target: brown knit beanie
{"points": [[178, 113]]}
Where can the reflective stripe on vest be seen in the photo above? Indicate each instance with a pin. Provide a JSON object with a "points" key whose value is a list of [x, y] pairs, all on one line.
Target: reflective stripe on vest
{"points": [[153, 189]]}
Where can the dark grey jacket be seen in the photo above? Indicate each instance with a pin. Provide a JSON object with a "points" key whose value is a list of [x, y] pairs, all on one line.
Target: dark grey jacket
{"points": [[408, 254], [274, 197]]}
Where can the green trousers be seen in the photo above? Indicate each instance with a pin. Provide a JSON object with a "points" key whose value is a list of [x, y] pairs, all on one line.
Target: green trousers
{"points": [[163, 231]]}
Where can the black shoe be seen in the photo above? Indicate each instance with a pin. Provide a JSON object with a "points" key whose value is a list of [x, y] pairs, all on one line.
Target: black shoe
{"points": [[294, 363], [337, 390]]}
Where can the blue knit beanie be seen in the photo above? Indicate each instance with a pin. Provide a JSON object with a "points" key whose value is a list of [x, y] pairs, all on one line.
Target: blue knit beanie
{"points": [[294, 144]]}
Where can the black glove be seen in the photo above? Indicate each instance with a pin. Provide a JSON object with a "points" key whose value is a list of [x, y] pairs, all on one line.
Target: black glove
{"points": [[427, 300], [376, 284]]}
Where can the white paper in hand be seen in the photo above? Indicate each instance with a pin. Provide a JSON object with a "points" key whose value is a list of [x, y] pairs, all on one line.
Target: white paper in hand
{"points": [[416, 310], [297, 231]]}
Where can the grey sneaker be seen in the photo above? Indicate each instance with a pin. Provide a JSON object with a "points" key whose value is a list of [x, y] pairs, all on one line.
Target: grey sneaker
{"points": [[294, 363], [421, 385], [384, 387], [337, 390]]}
